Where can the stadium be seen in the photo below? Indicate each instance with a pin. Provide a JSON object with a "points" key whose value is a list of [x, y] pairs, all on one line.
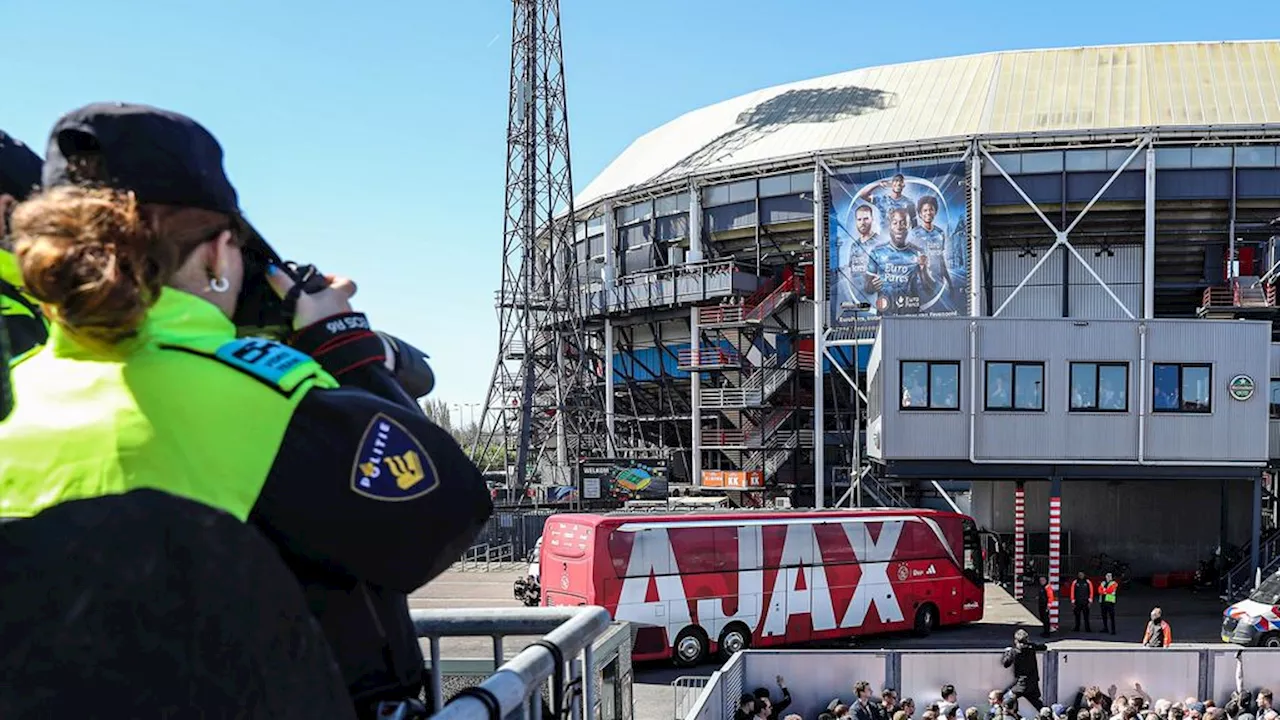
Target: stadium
{"points": [[1099, 217]]}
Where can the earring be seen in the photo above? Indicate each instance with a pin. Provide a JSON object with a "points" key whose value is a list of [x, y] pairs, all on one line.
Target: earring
{"points": [[219, 284]]}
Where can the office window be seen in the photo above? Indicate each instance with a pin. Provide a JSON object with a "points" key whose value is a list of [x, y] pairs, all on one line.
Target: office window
{"points": [[930, 385], [1275, 398], [1099, 387], [1181, 388], [1015, 386]]}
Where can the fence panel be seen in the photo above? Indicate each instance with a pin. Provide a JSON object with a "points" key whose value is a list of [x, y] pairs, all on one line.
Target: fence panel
{"points": [[974, 673], [814, 677], [520, 528], [1260, 669], [709, 705], [1169, 673]]}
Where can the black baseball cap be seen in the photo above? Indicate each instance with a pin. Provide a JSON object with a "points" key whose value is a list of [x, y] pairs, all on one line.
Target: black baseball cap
{"points": [[163, 157], [19, 167]]}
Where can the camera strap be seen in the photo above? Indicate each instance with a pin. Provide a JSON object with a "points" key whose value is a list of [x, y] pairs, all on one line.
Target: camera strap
{"points": [[306, 278]]}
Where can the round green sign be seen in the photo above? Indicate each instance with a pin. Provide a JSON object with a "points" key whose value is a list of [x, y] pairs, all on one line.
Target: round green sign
{"points": [[1241, 387]]}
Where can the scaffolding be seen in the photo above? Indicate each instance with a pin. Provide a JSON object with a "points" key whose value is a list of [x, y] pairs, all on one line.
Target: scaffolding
{"points": [[545, 408]]}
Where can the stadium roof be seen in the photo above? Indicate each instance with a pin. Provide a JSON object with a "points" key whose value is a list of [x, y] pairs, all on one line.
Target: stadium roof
{"points": [[1019, 92]]}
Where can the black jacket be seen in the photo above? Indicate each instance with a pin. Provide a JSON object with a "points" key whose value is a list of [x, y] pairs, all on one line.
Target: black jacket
{"points": [[146, 605], [1022, 660], [359, 553]]}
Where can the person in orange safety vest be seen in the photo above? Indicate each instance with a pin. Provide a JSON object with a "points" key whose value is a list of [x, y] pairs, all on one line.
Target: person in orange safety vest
{"points": [[1158, 634], [1081, 593], [1107, 602]]}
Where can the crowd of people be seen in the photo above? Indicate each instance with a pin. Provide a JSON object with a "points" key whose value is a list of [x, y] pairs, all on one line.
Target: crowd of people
{"points": [[1092, 703], [1020, 699]]}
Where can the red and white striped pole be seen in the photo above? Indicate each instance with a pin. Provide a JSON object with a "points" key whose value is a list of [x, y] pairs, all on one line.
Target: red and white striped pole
{"points": [[1055, 545], [1019, 538]]}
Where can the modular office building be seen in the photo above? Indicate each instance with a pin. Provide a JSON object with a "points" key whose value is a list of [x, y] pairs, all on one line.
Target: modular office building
{"points": [[1039, 274]]}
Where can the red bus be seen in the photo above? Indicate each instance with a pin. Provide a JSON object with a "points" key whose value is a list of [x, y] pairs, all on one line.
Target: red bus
{"points": [[704, 583]]}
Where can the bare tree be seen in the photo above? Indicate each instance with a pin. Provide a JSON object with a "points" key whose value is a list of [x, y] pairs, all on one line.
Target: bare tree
{"points": [[438, 411]]}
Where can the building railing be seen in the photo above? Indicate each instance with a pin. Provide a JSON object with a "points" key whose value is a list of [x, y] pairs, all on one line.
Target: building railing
{"points": [[773, 300], [667, 286], [759, 386], [814, 676], [709, 357], [1240, 578], [562, 657], [713, 315]]}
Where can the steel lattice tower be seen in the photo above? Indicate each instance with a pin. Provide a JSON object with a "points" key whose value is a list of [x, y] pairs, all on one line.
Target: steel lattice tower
{"points": [[545, 403]]}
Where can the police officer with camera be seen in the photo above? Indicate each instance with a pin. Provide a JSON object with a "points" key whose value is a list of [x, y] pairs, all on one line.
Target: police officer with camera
{"points": [[139, 252]]}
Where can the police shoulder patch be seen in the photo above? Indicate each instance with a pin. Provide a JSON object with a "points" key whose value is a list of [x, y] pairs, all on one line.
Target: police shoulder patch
{"points": [[390, 464], [267, 360]]}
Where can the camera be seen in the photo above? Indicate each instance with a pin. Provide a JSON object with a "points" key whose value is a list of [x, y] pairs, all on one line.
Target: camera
{"points": [[262, 313]]}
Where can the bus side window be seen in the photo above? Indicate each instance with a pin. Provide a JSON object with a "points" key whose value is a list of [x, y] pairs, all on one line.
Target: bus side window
{"points": [[972, 552]]}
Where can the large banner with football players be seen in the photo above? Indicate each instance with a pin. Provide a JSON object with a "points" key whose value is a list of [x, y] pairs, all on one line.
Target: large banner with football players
{"points": [[899, 243]]}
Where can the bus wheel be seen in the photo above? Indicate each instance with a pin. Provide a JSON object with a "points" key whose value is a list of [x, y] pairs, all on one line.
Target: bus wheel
{"points": [[926, 619], [690, 647], [734, 638]]}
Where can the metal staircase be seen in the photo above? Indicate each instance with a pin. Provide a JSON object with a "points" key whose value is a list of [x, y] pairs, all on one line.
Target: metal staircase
{"points": [[760, 385], [1239, 579], [738, 357], [1245, 297]]}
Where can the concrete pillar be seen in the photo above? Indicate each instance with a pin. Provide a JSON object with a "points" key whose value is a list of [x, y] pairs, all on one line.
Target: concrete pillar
{"points": [[1019, 537], [1255, 537], [1055, 544]]}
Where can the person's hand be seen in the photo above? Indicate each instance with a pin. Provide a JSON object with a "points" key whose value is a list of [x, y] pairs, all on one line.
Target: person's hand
{"points": [[313, 307]]}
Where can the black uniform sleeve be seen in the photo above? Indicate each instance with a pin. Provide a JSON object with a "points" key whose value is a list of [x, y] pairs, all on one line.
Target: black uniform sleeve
{"points": [[353, 354], [371, 489]]}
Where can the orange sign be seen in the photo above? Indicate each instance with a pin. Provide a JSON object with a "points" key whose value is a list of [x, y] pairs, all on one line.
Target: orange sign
{"points": [[733, 479]]}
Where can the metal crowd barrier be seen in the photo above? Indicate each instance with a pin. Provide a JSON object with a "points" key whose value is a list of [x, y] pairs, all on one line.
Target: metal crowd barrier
{"points": [[686, 689], [814, 677], [563, 656]]}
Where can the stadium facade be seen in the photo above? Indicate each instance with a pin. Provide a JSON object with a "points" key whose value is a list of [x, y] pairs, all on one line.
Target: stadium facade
{"points": [[1041, 276]]}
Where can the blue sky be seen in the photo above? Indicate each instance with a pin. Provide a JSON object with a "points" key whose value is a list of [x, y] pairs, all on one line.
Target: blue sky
{"points": [[368, 138]]}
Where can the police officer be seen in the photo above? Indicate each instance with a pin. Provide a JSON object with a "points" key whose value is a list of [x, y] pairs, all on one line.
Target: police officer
{"points": [[138, 251], [19, 175]]}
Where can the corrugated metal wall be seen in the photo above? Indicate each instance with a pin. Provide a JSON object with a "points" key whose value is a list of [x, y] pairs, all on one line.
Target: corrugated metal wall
{"points": [[1275, 424], [1233, 431], [1041, 297], [1120, 267]]}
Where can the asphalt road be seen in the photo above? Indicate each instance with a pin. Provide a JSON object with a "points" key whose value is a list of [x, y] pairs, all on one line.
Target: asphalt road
{"points": [[1194, 617]]}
